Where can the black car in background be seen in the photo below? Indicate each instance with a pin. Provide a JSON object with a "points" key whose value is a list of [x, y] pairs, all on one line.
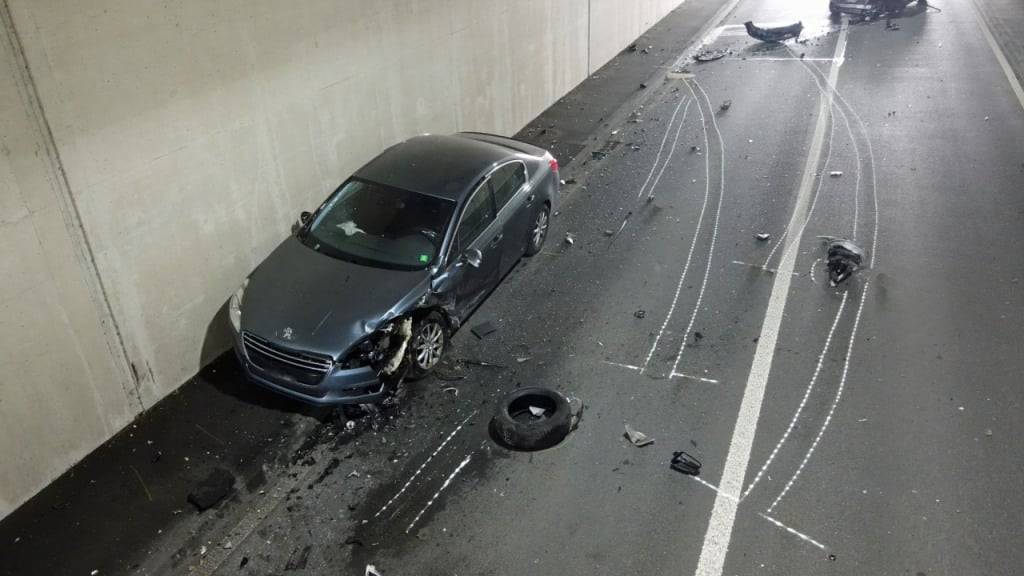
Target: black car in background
{"points": [[373, 283]]}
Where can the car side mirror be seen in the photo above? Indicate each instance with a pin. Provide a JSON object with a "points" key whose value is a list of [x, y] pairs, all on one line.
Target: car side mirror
{"points": [[471, 256], [304, 218]]}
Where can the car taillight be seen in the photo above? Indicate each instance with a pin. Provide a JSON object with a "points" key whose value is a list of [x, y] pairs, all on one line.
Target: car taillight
{"points": [[553, 164]]}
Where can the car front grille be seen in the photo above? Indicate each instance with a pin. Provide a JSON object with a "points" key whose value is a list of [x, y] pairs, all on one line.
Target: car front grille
{"points": [[292, 365]]}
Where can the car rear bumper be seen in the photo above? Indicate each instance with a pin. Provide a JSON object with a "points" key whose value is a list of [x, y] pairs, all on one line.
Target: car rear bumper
{"points": [[339, 386]]}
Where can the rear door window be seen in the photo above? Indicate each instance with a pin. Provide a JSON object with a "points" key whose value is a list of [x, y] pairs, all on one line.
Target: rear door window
{"points": [[506, 181], [477, 216]]}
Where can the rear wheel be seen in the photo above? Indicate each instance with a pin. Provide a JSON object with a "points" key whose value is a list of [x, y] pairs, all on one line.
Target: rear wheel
{"points": [[539, 230], [429, 343]]}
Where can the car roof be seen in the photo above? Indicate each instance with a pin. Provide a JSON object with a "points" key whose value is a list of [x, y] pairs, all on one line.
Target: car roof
{"points": [[443, 166]]}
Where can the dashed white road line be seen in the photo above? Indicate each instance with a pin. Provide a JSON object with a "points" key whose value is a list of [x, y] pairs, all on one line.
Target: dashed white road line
{"points": [[723, 515], [803, 401], [424, 465], [796, 533], [832, 408]]}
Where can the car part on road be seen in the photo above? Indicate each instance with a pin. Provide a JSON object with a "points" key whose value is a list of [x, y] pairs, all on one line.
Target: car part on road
{"points": [[835, 174], [371, 570], [214, 488], [709, 55], [844, 258], [641, 314], [685, 463], [725, 105], [763, 236], [484, 329], [516, 426], [570, 239], [637, 438], [776, 34]]}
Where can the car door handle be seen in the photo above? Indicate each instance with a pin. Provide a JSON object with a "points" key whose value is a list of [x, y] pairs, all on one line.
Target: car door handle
{"points": [[531, 198], [496, 240]]}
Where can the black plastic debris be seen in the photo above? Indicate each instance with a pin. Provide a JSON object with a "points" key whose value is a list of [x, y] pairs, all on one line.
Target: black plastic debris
{"points": [[641, 314], [484, 329], [214, 488], [776, 34], [685, 463], [725, 105], [844, 258]]}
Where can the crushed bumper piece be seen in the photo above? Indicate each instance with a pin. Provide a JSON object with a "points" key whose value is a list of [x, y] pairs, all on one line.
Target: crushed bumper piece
{"points": [[775, 34]]}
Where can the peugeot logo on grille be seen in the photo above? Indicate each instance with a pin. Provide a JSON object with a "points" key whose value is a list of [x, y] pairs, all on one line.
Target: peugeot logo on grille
{"points": [[287, 333]]}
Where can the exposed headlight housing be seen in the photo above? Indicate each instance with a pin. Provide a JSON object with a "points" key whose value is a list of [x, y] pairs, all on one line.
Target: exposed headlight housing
{"points": [[235, 306]]}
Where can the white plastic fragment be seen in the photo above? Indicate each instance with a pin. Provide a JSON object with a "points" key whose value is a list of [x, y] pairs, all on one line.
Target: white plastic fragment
{"points": [[637, 438], [835, 174], [536, 411]]}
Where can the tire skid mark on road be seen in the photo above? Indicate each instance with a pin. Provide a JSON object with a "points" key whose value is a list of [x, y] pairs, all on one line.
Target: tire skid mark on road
{"points": [[424, 465], [803, 401], [718, 213], [835, 402]]}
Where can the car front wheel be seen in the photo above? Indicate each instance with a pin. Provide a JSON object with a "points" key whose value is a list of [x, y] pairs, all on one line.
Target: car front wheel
{"points": [[429, 343], [539, 230]]}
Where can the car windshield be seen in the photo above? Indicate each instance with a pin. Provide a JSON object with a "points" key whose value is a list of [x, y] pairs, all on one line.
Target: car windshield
{"points": [[380, 226]]}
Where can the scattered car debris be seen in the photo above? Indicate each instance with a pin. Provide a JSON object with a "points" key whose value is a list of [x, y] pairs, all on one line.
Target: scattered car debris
{"points": [[988, 431], [214, 488], [685, 463], [450, 389], [775, 34], [516, 425], [698, 336], [709, 55], [484, 329], [637, 438], [835, 174], [763, 236], [609, 232], [725, 105], [694, 148], [570, 239], [371, 570], [844, 258], [352, 474], [641, 314]]}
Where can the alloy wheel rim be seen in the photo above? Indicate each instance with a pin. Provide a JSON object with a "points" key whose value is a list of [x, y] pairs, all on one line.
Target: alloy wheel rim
{"points": [[540, 228], [429, 345]]}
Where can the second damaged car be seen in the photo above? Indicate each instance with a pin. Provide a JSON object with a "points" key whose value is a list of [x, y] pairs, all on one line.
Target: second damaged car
{"points": [[373, 283]]}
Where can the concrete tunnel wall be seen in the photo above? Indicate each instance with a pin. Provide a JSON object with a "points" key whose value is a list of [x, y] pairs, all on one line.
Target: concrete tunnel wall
{"points": [[152, 153]]}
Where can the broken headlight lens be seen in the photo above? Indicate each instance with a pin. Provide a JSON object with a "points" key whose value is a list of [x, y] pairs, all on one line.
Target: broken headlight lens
{"points": [[235, 306]]}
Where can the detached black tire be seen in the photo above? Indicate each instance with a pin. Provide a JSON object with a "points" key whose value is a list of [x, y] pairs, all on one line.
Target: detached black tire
{"points": [[515, 427], [428, 345]]}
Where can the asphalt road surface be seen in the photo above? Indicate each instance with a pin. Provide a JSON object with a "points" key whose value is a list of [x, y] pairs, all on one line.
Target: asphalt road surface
{"points": [[867, 428]]}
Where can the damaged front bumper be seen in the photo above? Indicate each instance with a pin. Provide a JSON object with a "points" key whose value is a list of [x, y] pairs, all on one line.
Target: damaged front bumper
{"points": [[338, 385]]}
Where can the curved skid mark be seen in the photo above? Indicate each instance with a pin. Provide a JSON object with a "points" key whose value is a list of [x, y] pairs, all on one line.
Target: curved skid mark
{"points": [[714, 229], [803, 401], [424, 465], [447, 481], [662, 147], [672, 150], [832, 408]]}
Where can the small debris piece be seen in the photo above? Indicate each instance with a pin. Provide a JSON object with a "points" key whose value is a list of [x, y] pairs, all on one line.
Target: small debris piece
{"points": [[371, 570], [725, 105], [988, 431], [640, 314], [832, 557], [709, 55], [777, 34], [94, 573], [609, 232], [245, 560], [484, 329], [451, 389], [643, 85], [350, 425], [763, 236], [844, 258], [569, 238], [631, 47], [698, 336], [835, 174], [598, 155], [227, 545], [352, 474], [694, 148], [202, 550], [522, 359], [637, 438], [685, 463], [537, 412], [212, 490]]}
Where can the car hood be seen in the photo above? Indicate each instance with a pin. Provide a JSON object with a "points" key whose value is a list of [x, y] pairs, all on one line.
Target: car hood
{"points": [[302, 299]]}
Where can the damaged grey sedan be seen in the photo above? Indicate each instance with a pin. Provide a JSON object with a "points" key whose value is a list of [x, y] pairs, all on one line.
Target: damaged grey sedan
{"points": [[373, 283]]}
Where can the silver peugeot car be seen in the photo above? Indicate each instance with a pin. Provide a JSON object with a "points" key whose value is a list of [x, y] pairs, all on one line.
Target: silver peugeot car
{"points": [[374, 281]]}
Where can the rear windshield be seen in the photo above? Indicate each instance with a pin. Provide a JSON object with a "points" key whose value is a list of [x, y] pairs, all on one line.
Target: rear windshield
{"points": [[381, 226]]}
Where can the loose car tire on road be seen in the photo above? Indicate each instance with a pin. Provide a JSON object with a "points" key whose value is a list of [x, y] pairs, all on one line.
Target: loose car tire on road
{"points": [[515, 427], [538, 230], [428, 345]]}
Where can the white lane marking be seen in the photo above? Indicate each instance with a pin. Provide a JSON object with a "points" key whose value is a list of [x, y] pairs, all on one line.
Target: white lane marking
{"points": [[671, 152], [813, 266], [817, 190], [799, 535], [792, 531], [723, 515], [693, 243], [803, 401], [718, 214], [447, 481], [697, 378], [871, 154], [621, 365], [424, 465], [1000, 57], [832, 408], [661, 148]]}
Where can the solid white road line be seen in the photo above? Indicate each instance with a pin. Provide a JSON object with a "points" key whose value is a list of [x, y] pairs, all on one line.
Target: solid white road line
{"points": [[723, 515], [1000, 57]]}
